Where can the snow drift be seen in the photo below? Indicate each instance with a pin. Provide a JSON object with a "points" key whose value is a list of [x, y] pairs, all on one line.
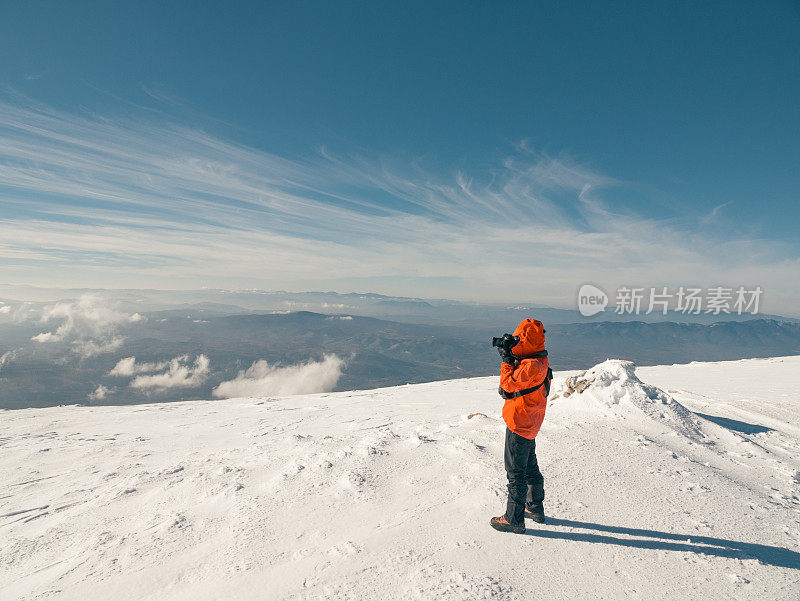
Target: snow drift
{"points": [[612, 388]]}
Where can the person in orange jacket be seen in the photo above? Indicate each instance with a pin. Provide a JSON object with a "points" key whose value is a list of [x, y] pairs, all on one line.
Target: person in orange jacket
{"points": [[525, 377]]}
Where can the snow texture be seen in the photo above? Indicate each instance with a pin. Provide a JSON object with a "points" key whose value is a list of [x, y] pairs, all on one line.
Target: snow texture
{"points": [[672, 482]]}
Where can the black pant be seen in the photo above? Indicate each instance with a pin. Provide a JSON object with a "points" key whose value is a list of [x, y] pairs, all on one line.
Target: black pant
{"points": [[525, 482]]}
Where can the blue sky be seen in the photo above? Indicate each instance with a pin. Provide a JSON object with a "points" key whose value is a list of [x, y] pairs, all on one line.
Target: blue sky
{"points": [[391, 147]]}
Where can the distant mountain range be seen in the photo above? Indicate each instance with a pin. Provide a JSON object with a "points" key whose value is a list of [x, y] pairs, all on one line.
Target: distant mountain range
{"points": [[377, 352], [403, 309], [579, 345]]}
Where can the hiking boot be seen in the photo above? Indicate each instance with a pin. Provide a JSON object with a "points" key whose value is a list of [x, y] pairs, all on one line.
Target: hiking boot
{"points": [[535, 512], [500, 523]]}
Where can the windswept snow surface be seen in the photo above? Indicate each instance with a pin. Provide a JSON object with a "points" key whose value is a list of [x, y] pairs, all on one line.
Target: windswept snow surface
{"points": [[674, 482]]}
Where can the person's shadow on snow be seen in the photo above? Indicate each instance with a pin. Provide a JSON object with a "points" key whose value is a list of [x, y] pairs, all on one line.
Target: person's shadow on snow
{"points": [[767, 554]]}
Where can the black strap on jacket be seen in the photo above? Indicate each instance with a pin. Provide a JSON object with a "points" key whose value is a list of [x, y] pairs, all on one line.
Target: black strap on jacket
{"points": [[524, 391]]}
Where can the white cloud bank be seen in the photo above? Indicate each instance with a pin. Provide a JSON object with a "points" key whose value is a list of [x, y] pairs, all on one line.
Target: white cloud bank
{"points": [[180, 372], [8, 356], [100, 393], [90, 348], [88, 324], [129, 367], [263, 379]]}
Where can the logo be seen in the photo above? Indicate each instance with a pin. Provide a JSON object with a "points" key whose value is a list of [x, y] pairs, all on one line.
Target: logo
{"points": [[591, 300]]}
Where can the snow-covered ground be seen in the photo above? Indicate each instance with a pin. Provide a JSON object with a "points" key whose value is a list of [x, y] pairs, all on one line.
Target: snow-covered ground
{"points": [[387, 494]]}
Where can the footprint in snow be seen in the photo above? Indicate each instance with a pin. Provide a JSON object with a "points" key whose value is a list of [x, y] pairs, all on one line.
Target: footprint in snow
{"points": [[417, 438], [352, 481], [346, 548]]}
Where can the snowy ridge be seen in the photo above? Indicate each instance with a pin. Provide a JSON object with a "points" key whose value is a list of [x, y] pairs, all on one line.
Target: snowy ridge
{"points": [[612, 388], [386, 494]]}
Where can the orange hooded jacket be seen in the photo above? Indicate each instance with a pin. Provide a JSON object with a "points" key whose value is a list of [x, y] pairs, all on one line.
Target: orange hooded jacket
{"points": [[524, 414]]}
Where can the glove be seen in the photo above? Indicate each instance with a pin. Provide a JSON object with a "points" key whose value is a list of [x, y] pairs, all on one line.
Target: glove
{"points": [[507, 356]]}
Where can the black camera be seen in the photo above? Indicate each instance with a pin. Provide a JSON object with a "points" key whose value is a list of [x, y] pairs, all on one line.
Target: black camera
{"points": [[506, 341]]}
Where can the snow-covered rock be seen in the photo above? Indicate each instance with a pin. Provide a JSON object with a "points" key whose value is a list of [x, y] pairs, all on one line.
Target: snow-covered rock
{"points": [[608, 385], [612, 388]]}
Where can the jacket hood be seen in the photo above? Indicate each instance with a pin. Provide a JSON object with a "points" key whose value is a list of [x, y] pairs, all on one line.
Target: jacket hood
{"points": [[531, 338]]}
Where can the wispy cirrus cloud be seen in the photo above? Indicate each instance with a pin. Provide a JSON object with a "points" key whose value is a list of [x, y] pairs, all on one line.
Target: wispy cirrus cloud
{"points": [[137, 203]]}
